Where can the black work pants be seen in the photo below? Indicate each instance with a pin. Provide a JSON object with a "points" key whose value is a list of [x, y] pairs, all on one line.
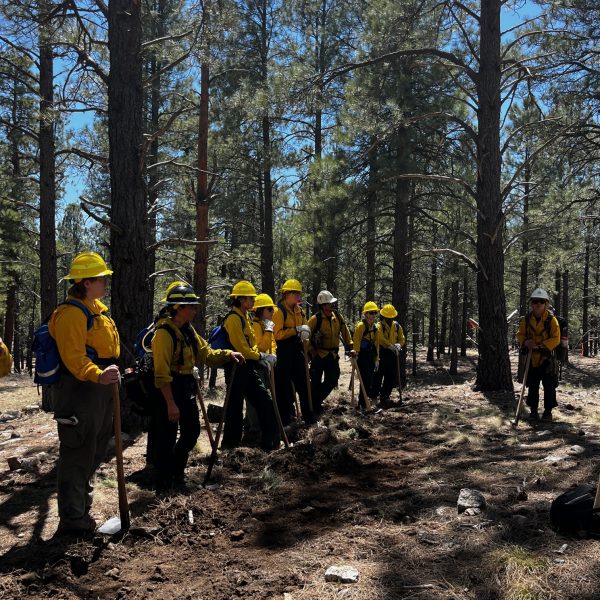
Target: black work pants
{"points": [[550, 383], [324, 377], [386, 378], [290, 370], [366, 366], [172, 453], [250, 384]]}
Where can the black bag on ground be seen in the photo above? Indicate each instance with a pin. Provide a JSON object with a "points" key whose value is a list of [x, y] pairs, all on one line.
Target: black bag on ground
{"points": [[573, 512]]}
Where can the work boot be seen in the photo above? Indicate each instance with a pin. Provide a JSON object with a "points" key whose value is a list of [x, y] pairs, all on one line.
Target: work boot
{"points": [[547, 416], [83, 525], [534, 416]]}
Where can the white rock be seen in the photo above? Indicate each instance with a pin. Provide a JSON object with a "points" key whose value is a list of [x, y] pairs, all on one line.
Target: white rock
{"points": [[470, 499], [342, 574], [576, 449], [544, 434]]}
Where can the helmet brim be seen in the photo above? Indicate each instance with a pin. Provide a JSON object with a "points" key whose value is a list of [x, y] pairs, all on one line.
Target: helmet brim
{"points": [[76, 279]]}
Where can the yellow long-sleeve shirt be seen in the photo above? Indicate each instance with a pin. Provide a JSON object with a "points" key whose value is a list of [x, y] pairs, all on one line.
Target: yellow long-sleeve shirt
{"points": [[242, 339], [371, 335], [5, 360], [286, 327], [265, 341], [532, 329], [330, 331], [68, 326], [168, 358], [390, 335]]}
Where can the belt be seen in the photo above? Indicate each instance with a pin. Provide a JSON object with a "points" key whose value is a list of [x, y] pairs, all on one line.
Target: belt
{"points": [[104, 362]]}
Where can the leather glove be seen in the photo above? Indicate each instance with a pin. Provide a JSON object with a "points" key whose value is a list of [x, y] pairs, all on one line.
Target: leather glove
{"points": [[398, 349], [304, 332], [267, 361], [268, 325], [376, 366], [351, 353]]}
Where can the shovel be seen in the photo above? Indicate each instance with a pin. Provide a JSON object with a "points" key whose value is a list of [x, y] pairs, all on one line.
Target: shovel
{"points": [[306, 370], [362, 385], [271, 375], [196, 373], [213, 454], [398, 373], [122, 522], [520, 404]]}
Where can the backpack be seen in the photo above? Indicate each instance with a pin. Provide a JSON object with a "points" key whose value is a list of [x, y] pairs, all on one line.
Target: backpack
{"points": [[573, 512], [218, 338], [48, 364], [284, 311], [562, 350], [366, 343], [139, 379]]}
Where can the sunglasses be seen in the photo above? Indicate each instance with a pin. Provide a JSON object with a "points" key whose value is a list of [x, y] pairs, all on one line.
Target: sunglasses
{"points": [[373, 312], [536, 301]]}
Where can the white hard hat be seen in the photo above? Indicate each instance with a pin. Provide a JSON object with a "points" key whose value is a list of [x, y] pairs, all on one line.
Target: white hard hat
{"points": [[540, 293], [325, 297]]}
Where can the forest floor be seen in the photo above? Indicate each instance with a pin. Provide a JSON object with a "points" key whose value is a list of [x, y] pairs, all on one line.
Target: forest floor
{"points": [[377, 492]]}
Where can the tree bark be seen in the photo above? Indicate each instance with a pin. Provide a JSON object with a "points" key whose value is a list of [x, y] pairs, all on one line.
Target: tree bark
{"points": [[454, 329], [370, 267], [402, 263], [128, 236], [48, 284], [202, 202], [493, 367], [585, 325], [432, 310]]}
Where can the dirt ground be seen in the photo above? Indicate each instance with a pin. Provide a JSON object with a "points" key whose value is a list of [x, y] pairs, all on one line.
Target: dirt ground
{"points": [[377, 492]]}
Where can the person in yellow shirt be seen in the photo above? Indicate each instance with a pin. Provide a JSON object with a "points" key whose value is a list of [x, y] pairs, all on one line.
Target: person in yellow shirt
{"points": [[5, 359], [391, 344], [263, 325], [176, 349], [248, 380], [291, 331], [366, 346], [82, 396], [327, 326], [539, 332]]}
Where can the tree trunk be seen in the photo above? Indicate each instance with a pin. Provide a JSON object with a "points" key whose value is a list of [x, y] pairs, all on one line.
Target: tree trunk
{"points": [[402, 264], [493, 367], [557, 286], [153, 174], [432, 310], [48, 285], [585, 347], [464, 313], [9, 317], [266, 256], [371, 268], [444, 323], [565, 299], [128, 236], [202, 202], [454, 329]]}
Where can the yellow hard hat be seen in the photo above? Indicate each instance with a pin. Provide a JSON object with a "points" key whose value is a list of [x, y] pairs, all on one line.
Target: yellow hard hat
{"points": [[369, 307], [263, 300], [388, 311], [243, 288], [171, 286], [87, 264], [291, 285]]}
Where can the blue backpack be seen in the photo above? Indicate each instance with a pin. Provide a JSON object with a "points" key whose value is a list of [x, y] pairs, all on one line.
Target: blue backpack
{"points": [[218, 338], [48, 365]]}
